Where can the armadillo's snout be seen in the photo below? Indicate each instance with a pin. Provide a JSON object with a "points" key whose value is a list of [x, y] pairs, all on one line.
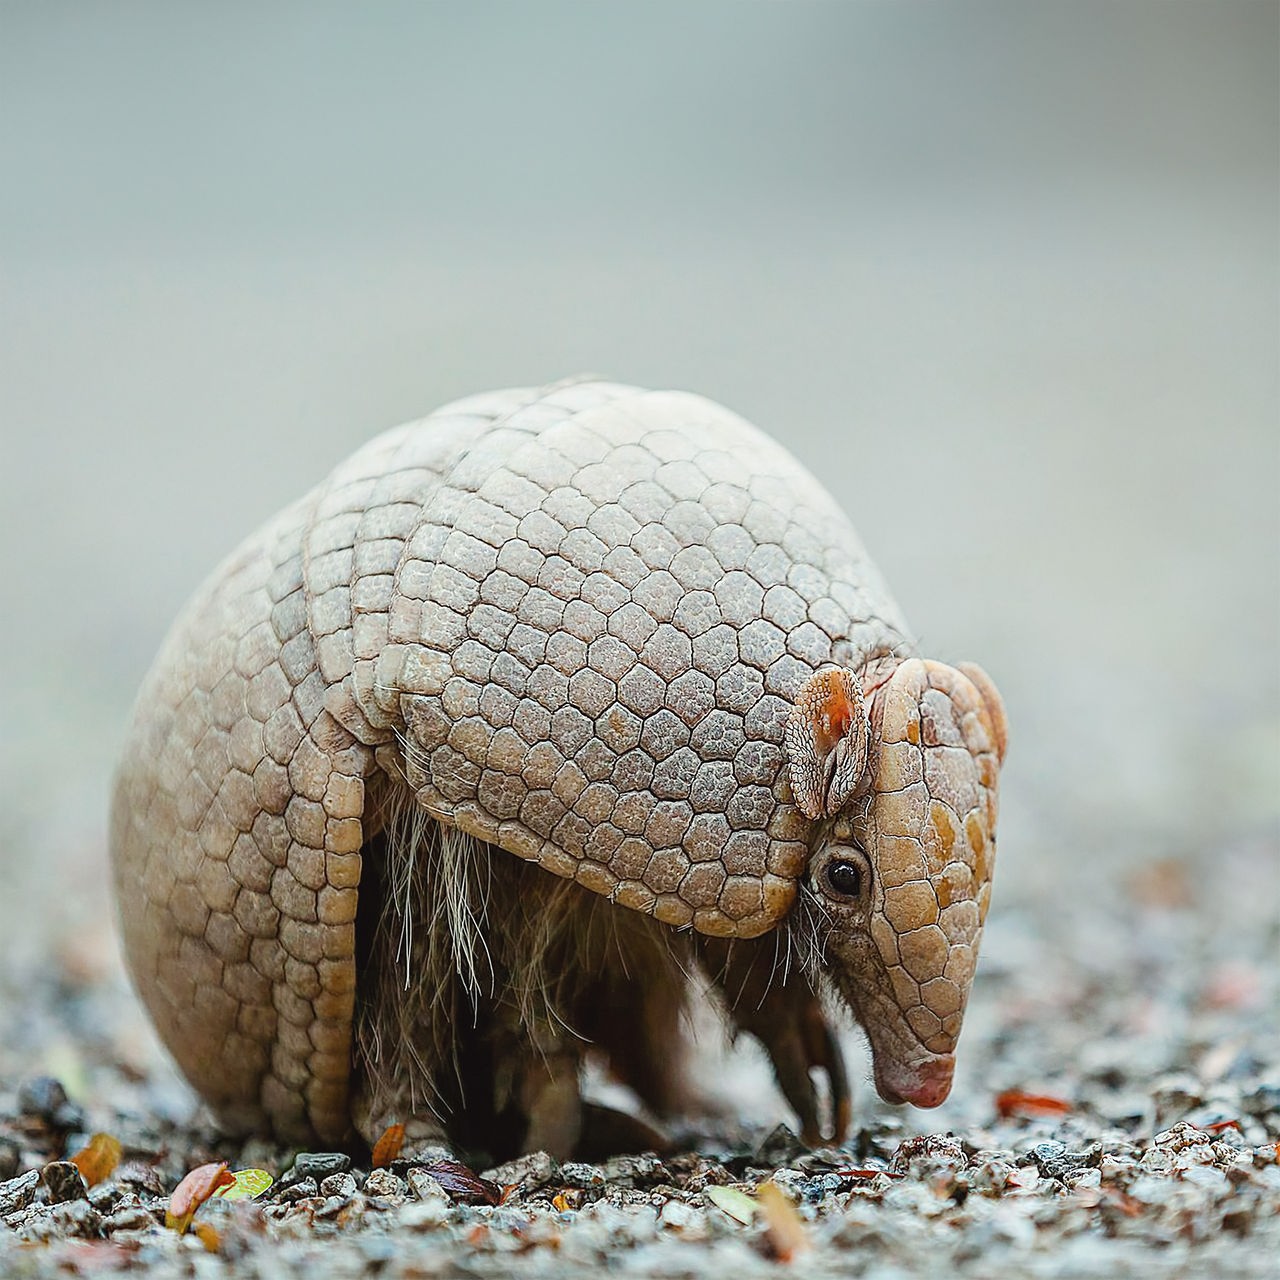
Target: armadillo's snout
{"points": [[923, 1084]]}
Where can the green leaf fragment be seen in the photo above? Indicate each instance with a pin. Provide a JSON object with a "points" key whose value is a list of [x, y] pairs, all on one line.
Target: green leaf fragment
{"points": [[248, 1184]]}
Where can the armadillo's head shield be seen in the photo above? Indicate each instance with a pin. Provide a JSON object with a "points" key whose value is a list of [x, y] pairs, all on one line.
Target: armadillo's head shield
{"points": [[903, 785]]}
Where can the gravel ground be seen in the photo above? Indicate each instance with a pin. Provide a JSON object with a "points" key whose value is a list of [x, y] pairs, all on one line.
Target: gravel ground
{"points": [[1031, 246], [1116, 1113]]}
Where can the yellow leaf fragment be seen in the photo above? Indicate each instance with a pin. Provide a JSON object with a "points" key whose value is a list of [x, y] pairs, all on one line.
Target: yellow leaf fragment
{"points": [[97, 1160], [208, 1236], [787, 1234]]}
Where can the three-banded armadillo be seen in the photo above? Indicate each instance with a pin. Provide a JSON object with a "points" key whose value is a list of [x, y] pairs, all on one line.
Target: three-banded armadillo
{"points": [[623, 636]]}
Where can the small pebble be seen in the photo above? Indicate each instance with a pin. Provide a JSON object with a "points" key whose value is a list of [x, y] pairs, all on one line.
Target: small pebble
{"points": [[1213, 1180], [316, 1165], [44, 1098], [677, 1216], [382, 1182], [338, 1184], [301, 1190], [1054, 1160], [106, 1196], [63, 1181], [17, 1193], [528, 1172], [129, 1217], [584, 1177], [634, 1171], [932, 1148], [425, 1187], [424, 1215]]}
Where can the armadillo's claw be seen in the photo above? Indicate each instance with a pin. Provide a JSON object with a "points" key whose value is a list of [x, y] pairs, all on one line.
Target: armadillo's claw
{"points": [[797, 1046], [830, 1058], [787, 1018], [787, 1051]]}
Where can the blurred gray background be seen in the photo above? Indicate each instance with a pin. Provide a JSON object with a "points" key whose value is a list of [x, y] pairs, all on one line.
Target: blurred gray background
{"points": [[1004, 274]]}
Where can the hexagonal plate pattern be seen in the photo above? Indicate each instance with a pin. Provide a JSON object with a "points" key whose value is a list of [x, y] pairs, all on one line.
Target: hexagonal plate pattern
{"points": [[574, 620]]}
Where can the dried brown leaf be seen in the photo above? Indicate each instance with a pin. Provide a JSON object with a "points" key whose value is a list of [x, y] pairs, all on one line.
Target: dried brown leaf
{"points": [[387, 1148]]}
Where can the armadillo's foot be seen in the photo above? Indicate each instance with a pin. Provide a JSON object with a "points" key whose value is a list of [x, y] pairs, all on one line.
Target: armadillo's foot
{"points": [[425, 1138], [786, 1017], [644, 1043], [608, 1132], [548, 1094]]}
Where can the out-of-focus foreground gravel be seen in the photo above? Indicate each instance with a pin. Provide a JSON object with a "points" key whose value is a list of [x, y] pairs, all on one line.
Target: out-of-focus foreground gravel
{"points": [[1141, 1014]]}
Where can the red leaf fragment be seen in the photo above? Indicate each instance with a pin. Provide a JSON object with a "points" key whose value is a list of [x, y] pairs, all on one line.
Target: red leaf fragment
{"points": [[388, 1146], [1219, 1125], [1014, 1102], [193, 1191], [462, 1183]]}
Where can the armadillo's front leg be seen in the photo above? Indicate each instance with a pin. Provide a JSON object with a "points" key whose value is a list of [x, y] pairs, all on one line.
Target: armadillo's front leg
{"points": [[783, 1013], [537, 1083]]}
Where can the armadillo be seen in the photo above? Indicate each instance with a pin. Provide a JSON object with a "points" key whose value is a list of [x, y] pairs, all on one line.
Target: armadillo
{"points": [[535, 720]]}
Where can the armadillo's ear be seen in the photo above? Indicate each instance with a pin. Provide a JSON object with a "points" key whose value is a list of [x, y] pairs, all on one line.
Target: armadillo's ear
{"points": [[992, 703], [827, 742]]}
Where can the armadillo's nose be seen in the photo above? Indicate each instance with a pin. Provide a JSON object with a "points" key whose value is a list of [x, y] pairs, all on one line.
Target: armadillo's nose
{"points": [[923, 1084]]}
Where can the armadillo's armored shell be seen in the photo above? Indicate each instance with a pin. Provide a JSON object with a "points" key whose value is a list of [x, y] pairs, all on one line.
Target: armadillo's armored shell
{"points": [[574, 620], [593, 635]]}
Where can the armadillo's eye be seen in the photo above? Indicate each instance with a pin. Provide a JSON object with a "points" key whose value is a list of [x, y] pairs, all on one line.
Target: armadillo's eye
{"points": [[844, 878]]}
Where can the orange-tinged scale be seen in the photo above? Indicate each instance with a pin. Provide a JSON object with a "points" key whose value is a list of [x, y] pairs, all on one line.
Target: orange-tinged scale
{"points": [[944, 828], [978, 843], [944, 890]]}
